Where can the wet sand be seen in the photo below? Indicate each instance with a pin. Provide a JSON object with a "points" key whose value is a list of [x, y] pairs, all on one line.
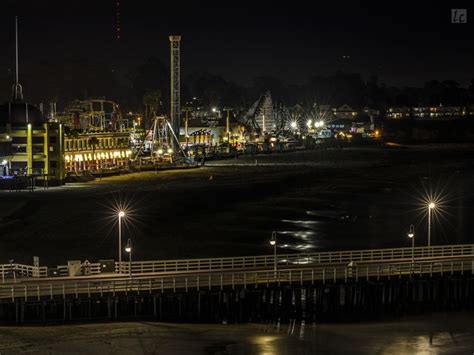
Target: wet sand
{"points": [[437, 334], [317, 200]]}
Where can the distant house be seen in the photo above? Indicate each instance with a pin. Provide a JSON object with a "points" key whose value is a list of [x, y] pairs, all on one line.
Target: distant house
{"points": [[345, 112], [427, 112], [439, 112], [400, 112], [421, 111]]}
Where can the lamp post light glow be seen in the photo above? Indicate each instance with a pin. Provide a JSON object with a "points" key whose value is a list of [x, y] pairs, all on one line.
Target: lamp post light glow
{"points": [[411, 235], [121, 214], [273, 242], [128, 249], [431, 206]]}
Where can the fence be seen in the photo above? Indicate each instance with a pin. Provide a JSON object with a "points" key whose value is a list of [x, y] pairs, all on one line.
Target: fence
{"points": [[296, 259], [70, 287], [253, 262], [21, 270]]}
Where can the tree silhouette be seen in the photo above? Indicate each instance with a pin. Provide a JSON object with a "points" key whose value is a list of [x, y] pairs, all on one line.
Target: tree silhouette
{"points": [[152, 102]]}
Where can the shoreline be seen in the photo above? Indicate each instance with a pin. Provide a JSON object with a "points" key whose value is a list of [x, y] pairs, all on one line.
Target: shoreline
{"points": [[439, 333]]}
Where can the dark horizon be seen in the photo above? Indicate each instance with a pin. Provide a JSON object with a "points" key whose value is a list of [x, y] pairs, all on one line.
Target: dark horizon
{"points": [[403, 44]]}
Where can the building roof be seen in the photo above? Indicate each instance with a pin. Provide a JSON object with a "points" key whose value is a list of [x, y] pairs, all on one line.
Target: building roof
{"points": [[20, 113], [344, 108]]}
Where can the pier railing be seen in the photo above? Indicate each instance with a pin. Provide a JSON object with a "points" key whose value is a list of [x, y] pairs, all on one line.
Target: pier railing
{"points": [[83, 287], [251, 262], [348, 256], [20, 270]]}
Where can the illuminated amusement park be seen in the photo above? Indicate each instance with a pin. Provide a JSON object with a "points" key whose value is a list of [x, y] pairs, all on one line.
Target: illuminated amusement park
{"points": [[258, 183]]}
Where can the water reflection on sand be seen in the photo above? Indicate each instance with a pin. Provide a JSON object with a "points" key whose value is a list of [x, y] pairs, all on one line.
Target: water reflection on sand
{"points": [[431, 334], [448, 333]]}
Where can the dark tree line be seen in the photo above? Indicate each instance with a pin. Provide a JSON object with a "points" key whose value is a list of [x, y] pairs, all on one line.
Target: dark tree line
{"points": [[334, 90], [79, 79]]}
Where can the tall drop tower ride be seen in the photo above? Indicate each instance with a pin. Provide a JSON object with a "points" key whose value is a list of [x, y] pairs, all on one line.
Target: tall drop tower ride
{"points": [[175, 84]]}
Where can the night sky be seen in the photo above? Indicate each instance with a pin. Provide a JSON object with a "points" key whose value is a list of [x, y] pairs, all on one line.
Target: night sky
{"points": [[402, 42]]}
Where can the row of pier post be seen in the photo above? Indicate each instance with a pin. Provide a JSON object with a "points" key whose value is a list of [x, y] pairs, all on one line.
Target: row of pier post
{"points": [[338, 302]]}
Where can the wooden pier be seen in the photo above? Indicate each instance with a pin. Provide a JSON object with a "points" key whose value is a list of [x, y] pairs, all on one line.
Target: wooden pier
{"points": [[346, 285]]}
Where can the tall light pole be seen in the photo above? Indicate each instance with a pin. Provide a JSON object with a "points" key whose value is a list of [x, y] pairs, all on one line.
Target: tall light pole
{"points": [[431, 206], [227, 124], [273, 242], [121, 214], [128, 249], [411, 235]]}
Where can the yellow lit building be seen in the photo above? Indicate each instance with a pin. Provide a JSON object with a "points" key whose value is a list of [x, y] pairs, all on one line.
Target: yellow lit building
{"points": [[29, 145], [96, 151]]}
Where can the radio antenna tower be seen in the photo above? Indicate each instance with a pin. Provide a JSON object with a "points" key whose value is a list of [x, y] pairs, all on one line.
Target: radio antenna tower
{"points": [[175, 84], [17, 90], [117, 19]]}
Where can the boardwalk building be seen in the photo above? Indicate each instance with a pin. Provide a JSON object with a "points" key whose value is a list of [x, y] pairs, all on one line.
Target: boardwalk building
{"points": [[29, 145]]}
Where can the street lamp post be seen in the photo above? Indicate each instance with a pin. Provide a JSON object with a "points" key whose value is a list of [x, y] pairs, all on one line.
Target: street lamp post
{"points": [[128, 249], [431, 206], [273, 242], [121, 214], [411, 235]]}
